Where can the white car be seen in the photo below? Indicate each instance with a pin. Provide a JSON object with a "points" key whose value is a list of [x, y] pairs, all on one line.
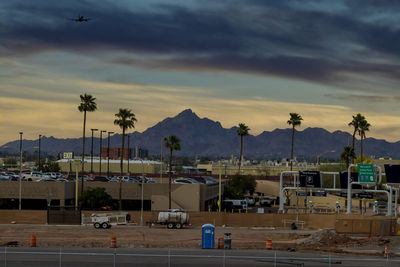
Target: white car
{"points": [[266, 201], [250, 201], [185, 181]]}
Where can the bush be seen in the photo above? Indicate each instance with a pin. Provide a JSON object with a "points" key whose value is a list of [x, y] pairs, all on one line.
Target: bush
{"points": [[95, 198], [239, 186]]}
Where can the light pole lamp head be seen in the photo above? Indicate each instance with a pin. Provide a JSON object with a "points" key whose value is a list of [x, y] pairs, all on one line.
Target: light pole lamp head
{"points": [[103, 131], [94, 130], [20, 133]]}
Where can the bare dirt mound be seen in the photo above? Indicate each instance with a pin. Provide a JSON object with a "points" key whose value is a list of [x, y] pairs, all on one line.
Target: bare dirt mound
{"points": [[329, 239]]}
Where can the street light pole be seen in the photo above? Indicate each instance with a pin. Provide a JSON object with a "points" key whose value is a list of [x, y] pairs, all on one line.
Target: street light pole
{"points": [[129, 153], [91, 152], [219, 186], [39, 169], [101, 146], [141, 205], [108, 154], [161, 162], [20, 171]]}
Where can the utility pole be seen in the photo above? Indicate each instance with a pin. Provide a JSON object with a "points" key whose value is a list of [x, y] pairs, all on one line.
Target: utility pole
{"points": [[101, 146], [20, 171], [91, 152], [108, 154], [161, 160], [39, 169], [129, 153]]}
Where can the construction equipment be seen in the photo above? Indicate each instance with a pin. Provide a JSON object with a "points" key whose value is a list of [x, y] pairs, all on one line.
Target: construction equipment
{"points": [[106, 220], [173, 218]]}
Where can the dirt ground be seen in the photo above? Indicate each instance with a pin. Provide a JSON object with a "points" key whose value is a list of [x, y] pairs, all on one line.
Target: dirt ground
{"points": [[160, 237]]}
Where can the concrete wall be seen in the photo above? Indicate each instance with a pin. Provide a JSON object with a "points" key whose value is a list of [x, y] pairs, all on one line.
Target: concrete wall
{"points": [[23, 216], [347, 224], [37, 190]]}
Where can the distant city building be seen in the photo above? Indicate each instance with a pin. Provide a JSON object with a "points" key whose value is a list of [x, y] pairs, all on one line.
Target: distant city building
{"points": [[141, 153], [115, 153]]}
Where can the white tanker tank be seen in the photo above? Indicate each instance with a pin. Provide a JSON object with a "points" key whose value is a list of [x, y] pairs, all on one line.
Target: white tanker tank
{"points": [[173, 218]]}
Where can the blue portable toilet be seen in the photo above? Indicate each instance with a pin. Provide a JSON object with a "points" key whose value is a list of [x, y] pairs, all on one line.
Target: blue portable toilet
{"points": [[207, 234]]}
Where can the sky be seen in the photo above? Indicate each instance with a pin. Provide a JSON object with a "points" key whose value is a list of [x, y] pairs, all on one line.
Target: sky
{"points": [[248, 61]]}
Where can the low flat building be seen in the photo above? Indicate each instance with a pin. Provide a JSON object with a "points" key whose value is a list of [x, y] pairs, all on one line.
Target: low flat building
{"points": [[112, 166], [38, 195]]}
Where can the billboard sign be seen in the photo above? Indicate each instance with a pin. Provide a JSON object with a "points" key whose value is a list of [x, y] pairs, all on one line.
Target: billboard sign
{"points": [[366, 173], [354, 178], [310, 179], [392, 173]]}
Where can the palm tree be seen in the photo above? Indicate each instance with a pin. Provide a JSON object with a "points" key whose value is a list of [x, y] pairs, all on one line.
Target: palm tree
{"points": [[125, 120], [357, 119], [243, 130], [87, 104], [173, 143], [347, 155], [295, 120], [363, 127]]}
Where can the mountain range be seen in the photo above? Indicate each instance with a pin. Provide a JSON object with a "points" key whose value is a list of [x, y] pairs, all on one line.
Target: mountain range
{"points": [[205, 137]]}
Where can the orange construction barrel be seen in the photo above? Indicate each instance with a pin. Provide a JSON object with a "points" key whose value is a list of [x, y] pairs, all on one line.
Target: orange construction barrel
{"points": [[113, 241], [386, 250], [33, 241], [268, 244], [221, 242]]}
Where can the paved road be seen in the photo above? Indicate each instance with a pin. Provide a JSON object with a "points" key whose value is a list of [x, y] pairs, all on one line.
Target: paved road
{"points": [[74, 257]]}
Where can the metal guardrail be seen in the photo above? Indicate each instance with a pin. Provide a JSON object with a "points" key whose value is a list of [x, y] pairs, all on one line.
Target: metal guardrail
{"points": [[324, 260]]}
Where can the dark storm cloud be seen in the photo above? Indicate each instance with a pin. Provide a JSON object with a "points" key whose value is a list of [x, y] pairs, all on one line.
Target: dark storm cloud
{"points": [[305, 40]]}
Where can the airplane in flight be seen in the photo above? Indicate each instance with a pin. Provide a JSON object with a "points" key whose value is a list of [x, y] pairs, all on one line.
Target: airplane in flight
{"points": [[80, 19]]}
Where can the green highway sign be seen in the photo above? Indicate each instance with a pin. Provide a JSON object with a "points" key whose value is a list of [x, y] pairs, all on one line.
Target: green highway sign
{"points": [[366, 173]]}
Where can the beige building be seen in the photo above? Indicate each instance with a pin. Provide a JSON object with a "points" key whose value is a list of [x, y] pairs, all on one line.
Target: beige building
{"points": [[135, 166], [257, 170], [190, 197]]}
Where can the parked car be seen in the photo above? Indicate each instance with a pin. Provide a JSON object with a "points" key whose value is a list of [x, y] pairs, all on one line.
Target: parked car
{"points": [[4, 177], [34, 176], [114, 179], [234, 204], [250, 201], [210, 180], [266, 201], [61, 180], [185, 181], [100, 179], [134, 180], [146, 179], [205, 179]]}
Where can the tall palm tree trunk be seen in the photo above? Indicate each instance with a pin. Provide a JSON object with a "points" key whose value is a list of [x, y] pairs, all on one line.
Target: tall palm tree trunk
{"points": [[354, 142], [170, 178], [122, 168], [83, 151], [291, 153], [361, 148], [241, 152]]}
